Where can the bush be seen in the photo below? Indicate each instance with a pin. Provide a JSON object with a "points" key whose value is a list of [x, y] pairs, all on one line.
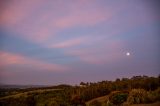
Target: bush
{"points": [[118, 98], [154, 96], [151, 97], [137, 96], [157, 94], [53, 103]]}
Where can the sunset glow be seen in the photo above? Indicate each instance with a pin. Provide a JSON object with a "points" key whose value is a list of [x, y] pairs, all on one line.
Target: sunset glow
{"points": [[68, 41]]}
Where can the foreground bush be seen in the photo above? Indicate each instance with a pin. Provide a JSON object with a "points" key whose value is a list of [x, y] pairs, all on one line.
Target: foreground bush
{"points": [[137, 96], [118, 98], [157, 94], [154, 96]]}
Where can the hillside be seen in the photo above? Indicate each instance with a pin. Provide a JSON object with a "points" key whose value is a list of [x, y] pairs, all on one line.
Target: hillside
{"points": [[99, 99], [136, 90], [103, 99], [39, 91], [152, 104]]}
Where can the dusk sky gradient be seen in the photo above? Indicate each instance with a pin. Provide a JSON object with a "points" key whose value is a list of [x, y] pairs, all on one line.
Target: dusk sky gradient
{"points": [[49, 42]]}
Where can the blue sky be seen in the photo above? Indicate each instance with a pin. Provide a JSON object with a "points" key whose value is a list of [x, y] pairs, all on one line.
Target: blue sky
{"points": [[53, 42]]}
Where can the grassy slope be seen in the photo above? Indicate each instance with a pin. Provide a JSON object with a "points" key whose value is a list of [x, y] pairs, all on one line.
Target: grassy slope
{"points": [[104, 98], [100, 99], [28, 92], [153, 104]]}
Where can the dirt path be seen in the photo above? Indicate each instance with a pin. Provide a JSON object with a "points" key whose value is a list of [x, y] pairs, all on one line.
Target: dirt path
{"points": [[100, 99]]}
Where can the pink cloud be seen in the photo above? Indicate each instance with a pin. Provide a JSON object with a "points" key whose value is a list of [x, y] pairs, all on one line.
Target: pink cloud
{"points": [[15, 12], [16, 16], [69, 43], [106, 53], [20, 17], [82, 18], [8, 59], [83, 13], [31, 20]]}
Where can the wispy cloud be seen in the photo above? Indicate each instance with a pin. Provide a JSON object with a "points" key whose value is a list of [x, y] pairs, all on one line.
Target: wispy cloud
{"points": [[82, 18], [8, 59], [19, 17], [76, 35], [27, 22], [108, 52], [15, 12], [69, 43]]}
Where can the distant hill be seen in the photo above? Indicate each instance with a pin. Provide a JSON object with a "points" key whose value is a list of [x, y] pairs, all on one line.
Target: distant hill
{"points": [[21, 86]]}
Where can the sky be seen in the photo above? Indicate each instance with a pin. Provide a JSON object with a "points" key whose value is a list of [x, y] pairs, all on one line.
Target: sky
{"points": [[50, 42]]}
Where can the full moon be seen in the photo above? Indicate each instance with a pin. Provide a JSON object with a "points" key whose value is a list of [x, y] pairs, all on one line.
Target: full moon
{"points": [[127, 54]]}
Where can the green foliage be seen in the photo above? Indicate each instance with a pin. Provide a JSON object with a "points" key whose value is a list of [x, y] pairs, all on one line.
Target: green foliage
{"points": [[118, 97]]}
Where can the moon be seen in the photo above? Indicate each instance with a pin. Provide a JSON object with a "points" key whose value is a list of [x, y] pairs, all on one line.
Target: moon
{"points": [[127, 54]]}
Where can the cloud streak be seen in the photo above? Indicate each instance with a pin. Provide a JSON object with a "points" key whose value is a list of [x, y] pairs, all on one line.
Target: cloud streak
{"points": [[69, 43], [77, 35], [24, 19], [9, 59], [105, 53]]}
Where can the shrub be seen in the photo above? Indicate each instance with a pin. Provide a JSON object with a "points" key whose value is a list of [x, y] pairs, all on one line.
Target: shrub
{"points": [[151, 97], [118, 98], [52, 103], [157, 94], [137, 96]]}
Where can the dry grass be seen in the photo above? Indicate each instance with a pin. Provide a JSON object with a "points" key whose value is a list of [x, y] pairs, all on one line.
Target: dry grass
{"points": [[28, 92], [153, 104], [100, 99]]}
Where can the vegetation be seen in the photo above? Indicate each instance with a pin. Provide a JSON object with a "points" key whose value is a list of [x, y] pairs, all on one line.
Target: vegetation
{"points": [[125, 91], [138, 96], [95, 103], [118, 98]]}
